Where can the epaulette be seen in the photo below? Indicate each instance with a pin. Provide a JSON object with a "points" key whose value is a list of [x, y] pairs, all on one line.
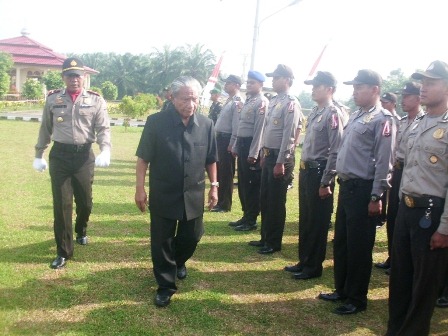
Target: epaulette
{"points": [[386, 113], [420, 118], [291, 97], [53, 91], [94, 93]]}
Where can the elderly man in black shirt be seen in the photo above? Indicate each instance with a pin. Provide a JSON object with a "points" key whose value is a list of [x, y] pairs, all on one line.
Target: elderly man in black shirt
{"points": [[179, 146]]}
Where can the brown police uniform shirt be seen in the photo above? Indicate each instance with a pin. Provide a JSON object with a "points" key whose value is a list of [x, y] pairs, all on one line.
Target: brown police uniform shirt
{"points": [[426, 162], [367, 148], [75, 123], [281, 125], [251, 122], [323, 137]]}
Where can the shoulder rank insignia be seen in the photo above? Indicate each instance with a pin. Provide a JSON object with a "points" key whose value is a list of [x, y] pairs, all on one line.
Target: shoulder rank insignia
{"points": [[53, 91], [93, 92]]}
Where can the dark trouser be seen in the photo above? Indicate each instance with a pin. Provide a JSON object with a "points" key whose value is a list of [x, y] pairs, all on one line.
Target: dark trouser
{"points": [[417, 273], [173, 242], [314, 216], [249, 179], [226, 171], [71, 175], [273, 200], [354, 238], [392, 210]]}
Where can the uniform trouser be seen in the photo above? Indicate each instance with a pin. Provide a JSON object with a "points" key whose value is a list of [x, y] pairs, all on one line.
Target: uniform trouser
{"points": [[314, 216], [354, 238], [249, 179], [71, 175], [417, 273], [173, 242], [273, 201], [226, 171], [392, 209]]}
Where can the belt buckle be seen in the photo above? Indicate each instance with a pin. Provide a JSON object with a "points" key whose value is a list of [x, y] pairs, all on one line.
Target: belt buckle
{"points": [[409, 201], [302, 164], [266, 151]]}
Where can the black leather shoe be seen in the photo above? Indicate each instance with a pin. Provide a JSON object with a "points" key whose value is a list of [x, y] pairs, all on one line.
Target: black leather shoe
{"points": [[218, 209], [293, 269], [383, 265], [268, 250], [58, 263], [182, 272], [237, 223], [246, 227], [256, 243], [304, 276], [348, 309], [162, 300], [442, 302], [334, 296], [81, 240]]}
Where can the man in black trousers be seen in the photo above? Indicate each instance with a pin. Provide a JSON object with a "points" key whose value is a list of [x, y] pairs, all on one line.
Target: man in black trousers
{"points": [[179, 146]]}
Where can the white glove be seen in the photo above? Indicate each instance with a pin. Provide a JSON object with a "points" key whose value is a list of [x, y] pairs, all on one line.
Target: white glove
{"points": [[40, 164], [103, 159]]}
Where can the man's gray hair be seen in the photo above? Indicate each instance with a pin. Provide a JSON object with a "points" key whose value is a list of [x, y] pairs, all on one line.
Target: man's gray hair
{"points": [[182, 81]]}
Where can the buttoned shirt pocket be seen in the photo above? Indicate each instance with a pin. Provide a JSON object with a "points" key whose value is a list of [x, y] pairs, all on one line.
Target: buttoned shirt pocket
{"points": [[360, 135], [434, 155], [318, 126]]}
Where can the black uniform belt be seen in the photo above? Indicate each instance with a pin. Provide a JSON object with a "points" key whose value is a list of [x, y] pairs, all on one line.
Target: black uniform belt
{"points": [[399, 164], [62, 147], [423, 201], [355, 182], [270, 152], [312, 164], [223, 135], [245, 140]]}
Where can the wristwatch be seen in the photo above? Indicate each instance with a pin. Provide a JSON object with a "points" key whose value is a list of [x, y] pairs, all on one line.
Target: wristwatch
{"points": [[215, 184], [375, 198]]}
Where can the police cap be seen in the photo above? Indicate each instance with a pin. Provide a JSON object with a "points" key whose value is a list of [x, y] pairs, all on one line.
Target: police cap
{"points": [[366, 76], [73, 65], [322, 78], [234, 79], [258, 76], [435, 70], [389, 97], [212, 91], [281, 71], [410, 88]]}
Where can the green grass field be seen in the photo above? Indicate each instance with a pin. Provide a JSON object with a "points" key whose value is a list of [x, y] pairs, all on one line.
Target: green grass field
{"points": [[108, 287]]}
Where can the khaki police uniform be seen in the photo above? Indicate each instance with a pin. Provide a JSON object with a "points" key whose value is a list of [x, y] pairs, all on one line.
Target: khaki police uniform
{"points": [[422, 211], [323, 137], [248, 144], [278, 147], [226, 129], [73, 126], [363, 166]]}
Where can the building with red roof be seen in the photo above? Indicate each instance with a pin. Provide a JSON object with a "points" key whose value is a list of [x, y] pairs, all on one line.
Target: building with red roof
{"points": [[32, 60]]}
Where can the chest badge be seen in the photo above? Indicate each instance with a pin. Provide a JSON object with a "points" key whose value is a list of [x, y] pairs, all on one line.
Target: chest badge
{"points": [[60, 119], [368, 118], [59, 100], [438, 133], [433, 159], [275, 121]]}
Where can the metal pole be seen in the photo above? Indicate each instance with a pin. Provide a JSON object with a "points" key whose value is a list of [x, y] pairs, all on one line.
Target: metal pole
{"points": [[255, 37]]}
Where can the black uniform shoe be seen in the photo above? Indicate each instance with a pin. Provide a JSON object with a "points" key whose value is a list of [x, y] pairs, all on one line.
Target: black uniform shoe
{"points": [[304, 276], [246, 227], [237, 223], [331, 296], [181, 272], [383, 265], [162, 300], [442, 302], [297, 268], [81, 240], [268, 250], [348, 309], [256, 243], [58, 263], [218, 209]]}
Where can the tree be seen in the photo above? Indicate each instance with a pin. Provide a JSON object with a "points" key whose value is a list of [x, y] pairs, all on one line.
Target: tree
{"points": [[53, 80], [6, 64], [197, 62], [96, 89], [32, 89], [395, 81], [306, 101], [110, 90]]}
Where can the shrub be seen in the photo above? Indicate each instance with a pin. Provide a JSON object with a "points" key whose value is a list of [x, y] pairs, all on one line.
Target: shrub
{"points": [[32, 89], [110, 90]]}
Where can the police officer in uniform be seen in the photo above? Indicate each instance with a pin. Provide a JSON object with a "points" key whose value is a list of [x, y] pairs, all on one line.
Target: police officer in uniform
{"points": [[73, 118], [410, 103], [363, 166], [316, 176], [278, 159], [226, 129], [247, 149], [216, 106], [419, 260], [167, 102]]}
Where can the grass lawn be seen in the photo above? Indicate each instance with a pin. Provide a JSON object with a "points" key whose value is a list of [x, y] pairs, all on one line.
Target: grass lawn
{"points": [[108, 287]]}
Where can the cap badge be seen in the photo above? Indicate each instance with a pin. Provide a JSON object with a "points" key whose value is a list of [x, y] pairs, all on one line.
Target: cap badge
{"points": [[73, 63], [438, 133], [433, 159]]}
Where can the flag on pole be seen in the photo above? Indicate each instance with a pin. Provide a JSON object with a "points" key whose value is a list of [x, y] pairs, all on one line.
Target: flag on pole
{"points": [[214, 76], [316, 63], [205, 97]]}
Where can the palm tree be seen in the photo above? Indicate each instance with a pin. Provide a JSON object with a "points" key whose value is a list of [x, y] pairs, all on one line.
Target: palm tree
{"points": [[198, 62]]}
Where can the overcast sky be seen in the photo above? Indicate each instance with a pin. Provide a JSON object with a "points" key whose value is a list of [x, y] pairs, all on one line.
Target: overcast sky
{"points": [[382, 35]]}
